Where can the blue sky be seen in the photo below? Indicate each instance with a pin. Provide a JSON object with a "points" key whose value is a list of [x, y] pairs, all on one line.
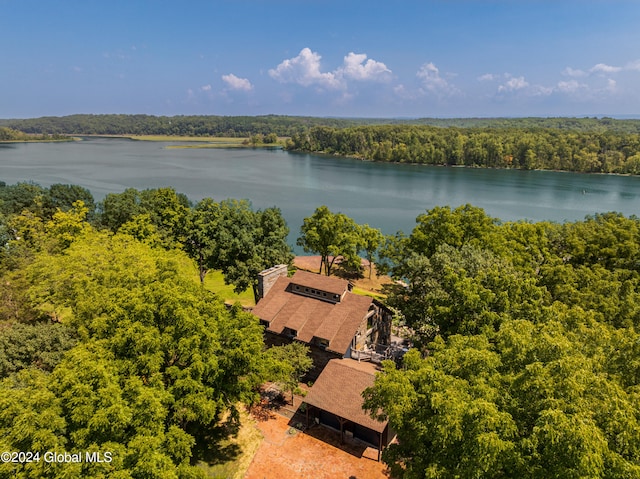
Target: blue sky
{"points": [[429, 58]]}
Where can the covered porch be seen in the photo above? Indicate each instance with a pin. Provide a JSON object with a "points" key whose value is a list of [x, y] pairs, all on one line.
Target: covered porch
{"points": [[335, 400]]}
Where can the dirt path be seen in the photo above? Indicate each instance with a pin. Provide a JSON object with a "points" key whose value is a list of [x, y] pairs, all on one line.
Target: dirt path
{"points": [[316, 453]]}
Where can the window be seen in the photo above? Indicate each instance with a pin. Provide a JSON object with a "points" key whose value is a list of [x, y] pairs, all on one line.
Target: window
{"points": [[289, 333]]}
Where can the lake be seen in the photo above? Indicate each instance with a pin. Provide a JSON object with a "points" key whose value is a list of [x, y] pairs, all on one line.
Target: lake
{"points": [[387, 196]]}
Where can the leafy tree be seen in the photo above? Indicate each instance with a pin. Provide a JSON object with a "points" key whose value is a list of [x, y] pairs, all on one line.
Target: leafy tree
{"points": [[14, 199], [271, 138], [141, 227], [26, 233], [62, 197], [167, 210], [372, 239], [463, 291], [466, 224], [532, 402], [288, 364], [39, 345], [66, 227], [200, 244], [331, 235], [119, 208], [607, 239], [31, 419], [230, 236], [160, 360]]}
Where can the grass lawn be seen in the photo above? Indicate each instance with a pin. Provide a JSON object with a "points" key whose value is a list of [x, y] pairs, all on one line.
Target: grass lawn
{"points": [[236, 452], [366, 292], [214, 281], [202, 141]]}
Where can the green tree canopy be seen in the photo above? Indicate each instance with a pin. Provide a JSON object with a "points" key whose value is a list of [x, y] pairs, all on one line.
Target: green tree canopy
{"points": [[159, 361], [287, 364], [372, 239], [331, 235], [230, 236], [536, 401]]}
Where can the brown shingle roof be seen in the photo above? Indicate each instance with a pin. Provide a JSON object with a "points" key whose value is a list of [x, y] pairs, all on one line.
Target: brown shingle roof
{"points": [[317, 281], [312, 316], [358, 308], [339, 388], [269, 306]]}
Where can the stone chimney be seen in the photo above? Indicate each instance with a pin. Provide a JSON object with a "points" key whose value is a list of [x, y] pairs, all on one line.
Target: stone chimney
{"points": [[268, 277]]}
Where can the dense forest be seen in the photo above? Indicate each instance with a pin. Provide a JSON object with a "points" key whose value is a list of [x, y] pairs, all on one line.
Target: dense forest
{"points": [[525, 343], [282, 125], [509, 147], [110, 344], [9, 134], [226, 126]]}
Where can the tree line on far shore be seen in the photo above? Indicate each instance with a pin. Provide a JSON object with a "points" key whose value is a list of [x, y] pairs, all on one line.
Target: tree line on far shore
{"points": [[590, 145], [588, 151], [284, 125], [11, 134]]}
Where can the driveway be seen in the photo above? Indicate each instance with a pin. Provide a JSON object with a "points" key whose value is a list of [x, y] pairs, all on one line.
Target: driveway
{"points": [[288, 452]]}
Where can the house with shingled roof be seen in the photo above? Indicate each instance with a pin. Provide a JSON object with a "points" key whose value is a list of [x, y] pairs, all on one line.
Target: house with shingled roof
{"points": [[335, 400], [324, 313]]}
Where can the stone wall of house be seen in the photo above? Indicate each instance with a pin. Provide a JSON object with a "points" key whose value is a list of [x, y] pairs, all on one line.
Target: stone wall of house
{"points": [[381, 322], [361, 334], [376, 329], [268, 277]]}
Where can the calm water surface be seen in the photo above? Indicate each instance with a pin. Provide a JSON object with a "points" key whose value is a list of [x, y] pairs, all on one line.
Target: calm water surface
{"points": [[386, 196]]}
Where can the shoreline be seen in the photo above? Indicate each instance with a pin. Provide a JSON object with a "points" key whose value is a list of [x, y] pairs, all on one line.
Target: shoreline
{"points": [[202, 141], [474, 167]]}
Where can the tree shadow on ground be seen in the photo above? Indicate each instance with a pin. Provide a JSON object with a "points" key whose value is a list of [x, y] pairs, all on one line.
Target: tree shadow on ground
{"points": [[272, 399], [350, 274], [215, 445]]}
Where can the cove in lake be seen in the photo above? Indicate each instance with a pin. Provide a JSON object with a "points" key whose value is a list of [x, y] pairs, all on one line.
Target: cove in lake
{"points": [[384, 195]]}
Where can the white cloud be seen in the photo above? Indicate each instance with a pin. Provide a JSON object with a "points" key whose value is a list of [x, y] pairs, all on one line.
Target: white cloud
{"points": [[576, 73], [571, 86], [205, 88], [604, 68], [633, 66], [237, 83], [406, 94], [429, 74], [488, 77], [354, 67], [598, 81], [520, 86], [304, 70], [514, 84], [539, 90]]}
